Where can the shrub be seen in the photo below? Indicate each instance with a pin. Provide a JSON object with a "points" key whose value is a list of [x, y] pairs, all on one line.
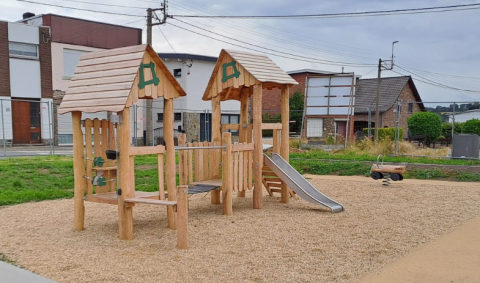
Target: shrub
{"points": [[427, 123], [471, 127], [447, 129], [296, 103], [386, 132]]}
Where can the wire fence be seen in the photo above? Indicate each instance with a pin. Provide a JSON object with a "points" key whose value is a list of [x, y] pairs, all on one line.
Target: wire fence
{"points": [[33, 127]]}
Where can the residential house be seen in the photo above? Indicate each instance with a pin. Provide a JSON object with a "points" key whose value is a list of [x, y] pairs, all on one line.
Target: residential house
{"points": [[392, 90], [192, 114], [464, 116], [68, 38]]}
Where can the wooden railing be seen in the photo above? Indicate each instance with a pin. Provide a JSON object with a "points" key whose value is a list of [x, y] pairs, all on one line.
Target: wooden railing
{"points": [[103, 139], [237, 165]]}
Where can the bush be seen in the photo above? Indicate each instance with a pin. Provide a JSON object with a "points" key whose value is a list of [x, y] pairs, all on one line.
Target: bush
{"points": [[471, 127], [427, 123], [447, 129], [296, 103], [385, 132]]}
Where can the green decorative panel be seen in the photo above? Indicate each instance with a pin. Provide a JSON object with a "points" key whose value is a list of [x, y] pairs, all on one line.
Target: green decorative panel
{"points": [[235, 74], [155, 79]]}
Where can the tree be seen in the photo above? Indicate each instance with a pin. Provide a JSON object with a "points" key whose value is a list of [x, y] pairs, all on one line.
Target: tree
{"points": [[296, 111], [447, 129], [427, 123], [471, 127]]}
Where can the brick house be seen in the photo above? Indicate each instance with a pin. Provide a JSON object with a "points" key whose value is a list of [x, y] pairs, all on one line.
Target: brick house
{"points": [[392, 90]]}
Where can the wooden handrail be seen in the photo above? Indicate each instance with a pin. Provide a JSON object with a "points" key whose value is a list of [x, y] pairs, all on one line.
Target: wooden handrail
{"points": [[144, 150], [271, 126]]}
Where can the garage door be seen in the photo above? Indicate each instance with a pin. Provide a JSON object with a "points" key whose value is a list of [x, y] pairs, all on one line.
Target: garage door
{"points": [[314, 127]]}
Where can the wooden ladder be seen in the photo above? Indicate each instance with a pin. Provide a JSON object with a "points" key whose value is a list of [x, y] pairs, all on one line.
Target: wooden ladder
{"points": [[272, 183]]}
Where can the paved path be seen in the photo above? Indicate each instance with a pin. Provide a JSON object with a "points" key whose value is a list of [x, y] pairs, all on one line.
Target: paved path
{"points": [[13, 274], [452, 258]]}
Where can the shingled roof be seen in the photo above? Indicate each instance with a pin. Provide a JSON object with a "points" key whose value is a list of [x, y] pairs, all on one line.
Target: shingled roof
{"points": [[390, 90]]}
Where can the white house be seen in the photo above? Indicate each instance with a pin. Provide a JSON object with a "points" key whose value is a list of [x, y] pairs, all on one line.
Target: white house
{"points": [[465, 116]]}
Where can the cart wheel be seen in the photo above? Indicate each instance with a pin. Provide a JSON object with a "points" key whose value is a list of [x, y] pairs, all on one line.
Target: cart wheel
{"points": [[376, 175], [395, 177], [401, 177]]}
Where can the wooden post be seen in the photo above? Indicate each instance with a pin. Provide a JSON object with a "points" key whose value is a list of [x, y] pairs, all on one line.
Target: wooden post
{"points": [[258, 150], [78, 172], [170, 168], [182, 160], [182, 217], [285, 145], [243, 131], [125, 212], [216, 139], [227, 184]]}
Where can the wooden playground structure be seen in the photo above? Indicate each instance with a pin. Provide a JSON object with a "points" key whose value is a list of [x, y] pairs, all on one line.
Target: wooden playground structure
{"points": [[114, 80]]}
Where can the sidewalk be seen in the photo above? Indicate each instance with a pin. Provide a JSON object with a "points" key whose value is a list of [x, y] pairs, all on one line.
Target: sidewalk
{"points": [[13, 274]]}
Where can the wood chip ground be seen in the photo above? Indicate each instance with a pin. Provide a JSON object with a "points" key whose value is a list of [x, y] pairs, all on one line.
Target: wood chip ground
{"points": [[295, 242]]}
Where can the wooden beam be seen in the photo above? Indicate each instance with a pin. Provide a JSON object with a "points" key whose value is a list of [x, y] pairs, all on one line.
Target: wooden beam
{"points": [[78, 172], [170, 170], [227, 178], [182, 160], [258, 151], [217, 140], [285, 145], [243, 147], [144, 150], [125, 213], [243, 133], [271, 126], [182, 217]]}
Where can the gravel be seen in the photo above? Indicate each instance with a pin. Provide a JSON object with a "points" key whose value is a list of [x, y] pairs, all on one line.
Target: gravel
{"points": [[295, 242]]}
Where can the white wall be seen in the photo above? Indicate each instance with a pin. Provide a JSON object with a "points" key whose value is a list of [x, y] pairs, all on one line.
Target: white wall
{"points": [[465, 116], [59, 82], [23, 33], [25, 78], [45, 112], [6, 104]]}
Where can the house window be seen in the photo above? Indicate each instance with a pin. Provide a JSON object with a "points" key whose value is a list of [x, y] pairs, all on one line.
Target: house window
{"points": [[177, 117], [410, 107], [23, 50], [231, 119], [177, 73], [70, 62]]}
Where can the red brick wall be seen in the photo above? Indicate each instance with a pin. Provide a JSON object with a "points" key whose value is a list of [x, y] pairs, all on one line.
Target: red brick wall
{"points": [[4, 61], [271, 97], [45, 54]]}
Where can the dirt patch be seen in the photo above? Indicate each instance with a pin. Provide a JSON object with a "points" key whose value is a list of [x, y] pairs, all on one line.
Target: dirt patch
{"points": [[295, 242]]}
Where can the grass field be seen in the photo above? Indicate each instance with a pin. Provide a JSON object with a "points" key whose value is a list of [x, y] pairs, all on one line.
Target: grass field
{"points": [[51, 177]]}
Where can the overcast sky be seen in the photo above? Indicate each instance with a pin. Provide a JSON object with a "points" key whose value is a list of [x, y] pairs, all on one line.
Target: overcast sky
{"points": [[435, 46]]}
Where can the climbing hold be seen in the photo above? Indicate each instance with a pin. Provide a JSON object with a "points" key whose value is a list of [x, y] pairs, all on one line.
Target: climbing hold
{"points": [[98, 161]]}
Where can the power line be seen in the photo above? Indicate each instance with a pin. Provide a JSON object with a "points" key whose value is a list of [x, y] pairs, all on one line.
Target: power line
{"points": [[88, 10], [256, 50], [352, 14], [442, 74], [281, 52], [103, 4], [156, 16]]}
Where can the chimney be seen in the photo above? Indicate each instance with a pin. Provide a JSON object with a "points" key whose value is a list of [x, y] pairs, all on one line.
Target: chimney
{"points": [[28, 15]]}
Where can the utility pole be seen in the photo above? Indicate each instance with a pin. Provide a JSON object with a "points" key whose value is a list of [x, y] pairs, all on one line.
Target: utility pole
{"points": [[379, 77], [149, 102]]}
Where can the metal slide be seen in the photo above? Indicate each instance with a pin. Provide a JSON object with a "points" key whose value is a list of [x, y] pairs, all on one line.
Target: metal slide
{"points": [[299, 184]]}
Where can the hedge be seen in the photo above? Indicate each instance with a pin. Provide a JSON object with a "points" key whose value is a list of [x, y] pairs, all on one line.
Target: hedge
{"points": [[385, 132]]}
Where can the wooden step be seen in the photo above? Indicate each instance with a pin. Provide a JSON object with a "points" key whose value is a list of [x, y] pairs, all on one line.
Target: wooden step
{"points": [[276, 190], [270, 179], [104, 168], [151, 201]]}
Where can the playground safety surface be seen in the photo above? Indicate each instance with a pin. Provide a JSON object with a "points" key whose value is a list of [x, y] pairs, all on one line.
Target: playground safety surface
{"points": [[295, 242]]}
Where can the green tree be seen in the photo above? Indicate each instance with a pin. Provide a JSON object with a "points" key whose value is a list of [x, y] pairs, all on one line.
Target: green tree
{"points": [[471, 127], [427, 123], [447, 129], [296, 111]]}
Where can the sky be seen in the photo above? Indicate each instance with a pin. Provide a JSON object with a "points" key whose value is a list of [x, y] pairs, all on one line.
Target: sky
{"points": [[435, 48]]}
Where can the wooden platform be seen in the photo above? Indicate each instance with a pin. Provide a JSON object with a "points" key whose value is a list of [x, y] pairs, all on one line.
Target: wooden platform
{"points": [[111, 197], [151, 201], [214, 182]]}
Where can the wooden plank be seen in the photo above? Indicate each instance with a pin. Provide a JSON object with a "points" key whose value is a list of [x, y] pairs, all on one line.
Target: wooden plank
{"points": [[227, 184], [96, 102], [190, 164], [235, 171], [182, 160], [105, 74], [88, 149], [201, 171], [102, 81], [271, 126], [145, 150], [285, 145], [114, 52], [86, 109], [107, 67], [196, 164], [104, 146], [205, 162], [131, 172], [111, 59], [258, 151], [78, 172], [241, 78], [182, 217], [240, 172], [250, 170], [217, 140], [243, 147], [100, 88], [230, 127], [161, 176], [111, 163], [170, 170], [151, 201], [96, 145]]}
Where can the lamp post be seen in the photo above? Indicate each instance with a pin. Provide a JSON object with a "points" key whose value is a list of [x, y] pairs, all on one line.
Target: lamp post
{"points": [[377, 101]]}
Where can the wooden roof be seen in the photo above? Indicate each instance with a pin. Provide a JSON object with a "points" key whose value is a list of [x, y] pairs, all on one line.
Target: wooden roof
{"points": [[229, 79], [111, 80]]}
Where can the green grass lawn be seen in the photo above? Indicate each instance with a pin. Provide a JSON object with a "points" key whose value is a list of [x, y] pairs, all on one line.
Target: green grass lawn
{"points": [[51, 177]]}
